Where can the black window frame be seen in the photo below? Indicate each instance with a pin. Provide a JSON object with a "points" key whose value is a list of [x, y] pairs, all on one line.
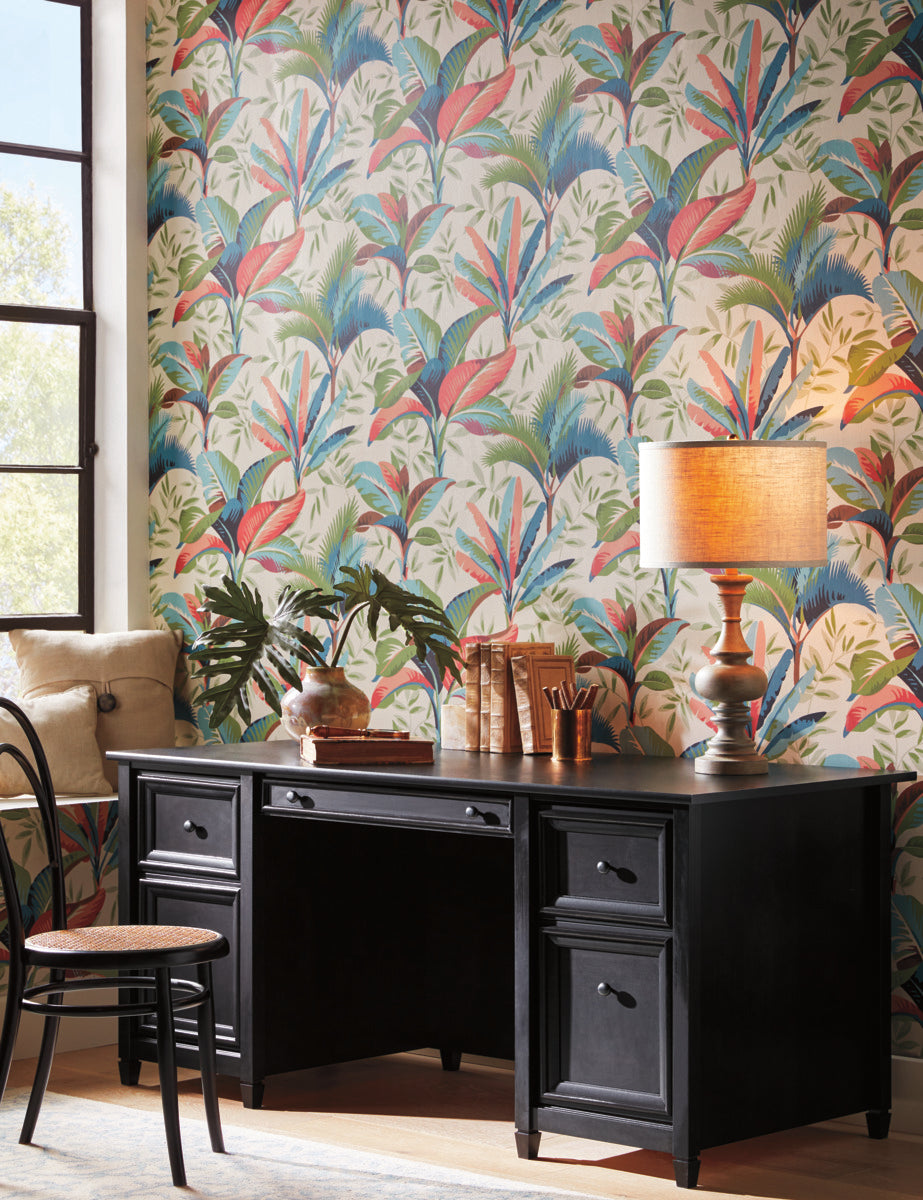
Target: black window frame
{"points": [[84, 319]]}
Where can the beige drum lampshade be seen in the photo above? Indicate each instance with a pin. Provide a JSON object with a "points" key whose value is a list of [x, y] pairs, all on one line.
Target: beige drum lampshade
{"points": [[733, 504]]}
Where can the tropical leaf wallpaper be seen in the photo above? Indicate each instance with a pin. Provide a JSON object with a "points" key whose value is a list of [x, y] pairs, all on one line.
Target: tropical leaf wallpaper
{"points": [[89, 845], [423, 274]]}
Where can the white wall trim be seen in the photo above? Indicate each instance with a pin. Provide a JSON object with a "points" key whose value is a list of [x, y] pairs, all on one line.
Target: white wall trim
{"points": [[120, 284]]}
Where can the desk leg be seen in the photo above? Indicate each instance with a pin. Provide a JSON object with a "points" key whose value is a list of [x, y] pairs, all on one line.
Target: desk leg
{"points": [[451, 1059], [527, 1141], [879, 1122], [252, 1094], [129, 1071], [686, 1171]]}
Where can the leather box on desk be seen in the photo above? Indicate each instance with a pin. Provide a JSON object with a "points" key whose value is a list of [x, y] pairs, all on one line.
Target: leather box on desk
{"points": [[347, 751]]}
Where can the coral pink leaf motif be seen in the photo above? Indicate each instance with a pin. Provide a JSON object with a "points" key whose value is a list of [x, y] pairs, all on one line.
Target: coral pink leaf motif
{"points": [[254, 15], [888, 386], [617, 38], [625, 253], [470, 16], [610, 551], [264, 522], [407, 406], [708, 423], [188, 46], [893, 696], [193, 550], [469, 105], [188, 301], [469, 382], [407, 676], [700, 223], [194, 102], [723, 96], [280, 152], [84, 912], [885, 72], [472, 293], [483, 253], [263, 264], [407, 135], [264, 179], [198, 357], [489, 540], [700, 122], [470, 567]]}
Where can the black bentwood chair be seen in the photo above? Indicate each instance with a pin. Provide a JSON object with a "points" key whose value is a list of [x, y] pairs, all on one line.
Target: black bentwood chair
{"points": [[151, 949]]}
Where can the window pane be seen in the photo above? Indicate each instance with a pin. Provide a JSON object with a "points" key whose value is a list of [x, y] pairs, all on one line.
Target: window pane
{"points": [[38, 544], [39, 394], [40, 107], [40, 232]]}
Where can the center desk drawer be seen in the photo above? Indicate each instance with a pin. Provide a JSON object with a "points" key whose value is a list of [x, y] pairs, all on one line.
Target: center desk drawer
{"points": [[445, 811]]}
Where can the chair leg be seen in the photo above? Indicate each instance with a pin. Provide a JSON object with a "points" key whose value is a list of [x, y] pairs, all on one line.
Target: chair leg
{"points": [[207, 1060], [42, 1073], [166, 1066], [10, 1020]]}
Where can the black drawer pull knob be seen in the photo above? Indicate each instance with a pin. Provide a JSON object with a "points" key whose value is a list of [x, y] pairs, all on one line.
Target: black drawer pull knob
{"points": [[471, 811], [603, 867], [605, 990]]}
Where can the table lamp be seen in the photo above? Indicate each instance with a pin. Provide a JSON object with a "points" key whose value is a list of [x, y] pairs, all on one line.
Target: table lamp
{"points": [[727, 504]]}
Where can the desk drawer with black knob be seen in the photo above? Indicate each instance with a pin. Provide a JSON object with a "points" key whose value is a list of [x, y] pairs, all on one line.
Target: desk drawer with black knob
{"points": [[609, 867], [607, 1022], [189, 825], [419, 810]]}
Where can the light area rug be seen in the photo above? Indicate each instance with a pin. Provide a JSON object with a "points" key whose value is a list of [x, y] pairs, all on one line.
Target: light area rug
{"points": [[87, 1150]]}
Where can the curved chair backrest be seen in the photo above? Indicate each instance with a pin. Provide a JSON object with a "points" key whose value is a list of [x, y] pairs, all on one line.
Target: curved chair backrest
{"points": [[37, 773]]}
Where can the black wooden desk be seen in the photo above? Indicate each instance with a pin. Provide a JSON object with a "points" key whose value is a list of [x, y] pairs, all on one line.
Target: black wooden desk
{"points": [[674, 961]]}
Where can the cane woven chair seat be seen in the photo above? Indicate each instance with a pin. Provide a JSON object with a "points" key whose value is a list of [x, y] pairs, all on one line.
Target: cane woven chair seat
{"points": [[122, 939]]}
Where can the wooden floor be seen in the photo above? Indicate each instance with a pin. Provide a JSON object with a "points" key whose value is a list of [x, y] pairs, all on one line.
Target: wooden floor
{"points": [[407, 1106]]}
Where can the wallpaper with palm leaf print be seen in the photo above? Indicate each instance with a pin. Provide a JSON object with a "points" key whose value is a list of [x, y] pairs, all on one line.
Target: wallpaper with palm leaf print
{"points": [[89, 845], [423, 274]]}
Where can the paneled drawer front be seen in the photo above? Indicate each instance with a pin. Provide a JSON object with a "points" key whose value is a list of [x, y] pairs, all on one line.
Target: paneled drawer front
{"points": [[189, 825], [444, 811], [614, 867], [607, 1043], [200, 906]]}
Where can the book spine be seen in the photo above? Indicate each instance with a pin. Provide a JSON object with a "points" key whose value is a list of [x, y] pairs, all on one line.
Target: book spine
{"points": [[499, 734], [484, 731], [520, 671], [473, 697]]}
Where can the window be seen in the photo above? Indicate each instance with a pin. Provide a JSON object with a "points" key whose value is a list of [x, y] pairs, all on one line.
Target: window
{"points": [[47, 326]]}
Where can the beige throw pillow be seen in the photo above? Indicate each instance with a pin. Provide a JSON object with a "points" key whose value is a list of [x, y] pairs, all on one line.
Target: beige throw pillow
{"points": [[132, 674], [66, 727]]}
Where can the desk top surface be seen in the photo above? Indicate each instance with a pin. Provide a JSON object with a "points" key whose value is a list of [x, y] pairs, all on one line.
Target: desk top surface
{"points": [[606, 775]]}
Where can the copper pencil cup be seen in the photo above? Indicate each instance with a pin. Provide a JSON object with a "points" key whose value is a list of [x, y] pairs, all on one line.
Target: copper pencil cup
{"points": [[570, 734]]}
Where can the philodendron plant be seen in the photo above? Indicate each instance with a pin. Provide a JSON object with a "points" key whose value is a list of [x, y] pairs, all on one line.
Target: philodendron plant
{"points": [[247, 645]]}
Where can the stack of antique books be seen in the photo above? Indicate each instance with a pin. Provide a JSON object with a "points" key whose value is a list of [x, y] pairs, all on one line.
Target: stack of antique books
{"points": [[506, 711]]}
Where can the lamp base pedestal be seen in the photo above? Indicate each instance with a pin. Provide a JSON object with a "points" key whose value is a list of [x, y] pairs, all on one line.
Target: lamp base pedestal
{"points": [[731, 751], [731, 683]]}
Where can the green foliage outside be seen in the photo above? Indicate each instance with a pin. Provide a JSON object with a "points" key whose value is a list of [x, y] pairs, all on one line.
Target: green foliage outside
{"points": [[38, 413]]}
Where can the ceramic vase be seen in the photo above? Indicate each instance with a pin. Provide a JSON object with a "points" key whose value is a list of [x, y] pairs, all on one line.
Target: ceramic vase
{"points": [[326, 698]]}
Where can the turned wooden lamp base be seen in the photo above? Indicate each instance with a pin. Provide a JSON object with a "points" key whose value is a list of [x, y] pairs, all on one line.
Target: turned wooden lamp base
{"points": [[731, 683]]}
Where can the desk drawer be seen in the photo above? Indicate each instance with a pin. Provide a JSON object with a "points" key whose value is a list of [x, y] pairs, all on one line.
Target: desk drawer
{"points": [[612, 866], [444, 811], [608, 1010], [189, 825]]}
